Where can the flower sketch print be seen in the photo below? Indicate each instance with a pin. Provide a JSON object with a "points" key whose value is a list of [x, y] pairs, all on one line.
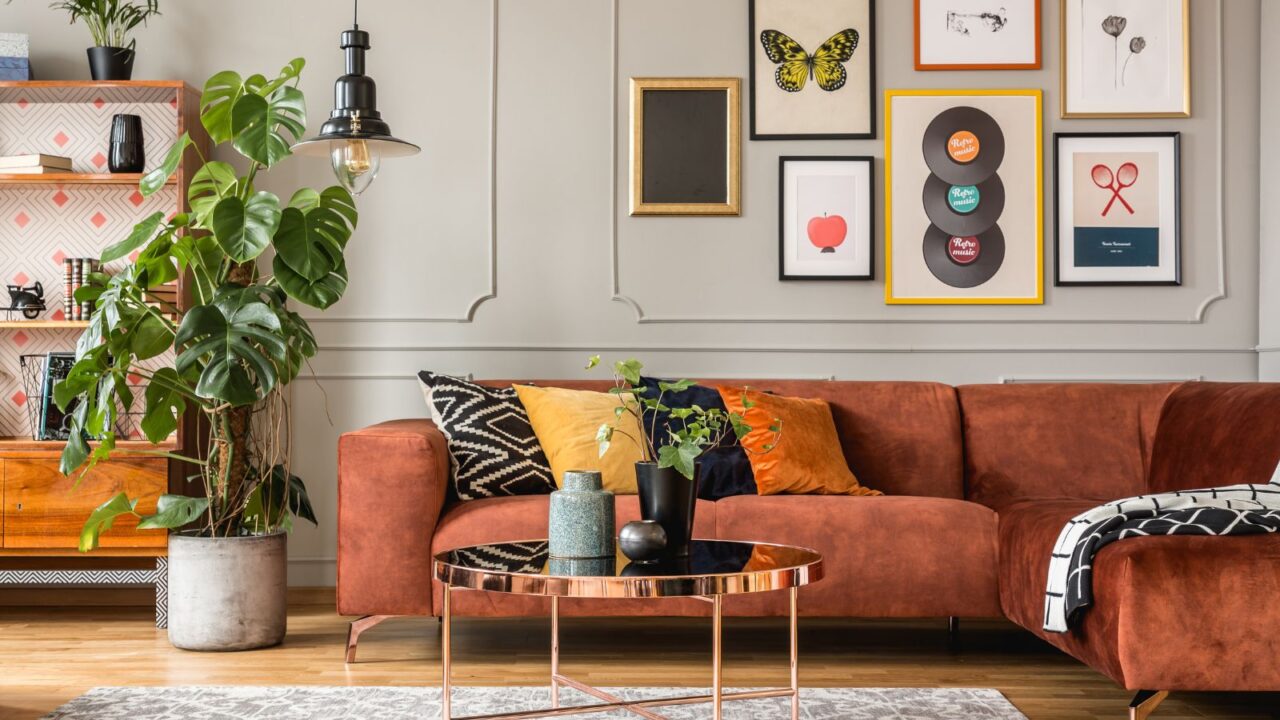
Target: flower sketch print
{"points": [[963, 23], [1114, 25]]}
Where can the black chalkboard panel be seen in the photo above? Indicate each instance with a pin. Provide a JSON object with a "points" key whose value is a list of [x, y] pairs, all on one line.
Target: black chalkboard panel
{"points": [[686, 146]]}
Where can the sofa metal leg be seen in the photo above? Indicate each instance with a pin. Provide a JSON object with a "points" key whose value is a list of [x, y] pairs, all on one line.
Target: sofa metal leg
{"points": [[1145, 703], [357, 627], [953, 633]]}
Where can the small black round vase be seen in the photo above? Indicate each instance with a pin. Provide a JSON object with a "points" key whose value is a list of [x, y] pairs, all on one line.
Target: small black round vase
{"points": [[126, 154], [643, 541]]}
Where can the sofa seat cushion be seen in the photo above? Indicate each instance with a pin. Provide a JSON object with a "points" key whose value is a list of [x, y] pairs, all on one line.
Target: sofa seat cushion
{"points": [[504, 519], [883, 556], [1173, 612]]}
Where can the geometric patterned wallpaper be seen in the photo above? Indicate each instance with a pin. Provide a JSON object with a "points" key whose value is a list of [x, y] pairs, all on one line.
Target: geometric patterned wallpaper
{"points": [[42, 224]]}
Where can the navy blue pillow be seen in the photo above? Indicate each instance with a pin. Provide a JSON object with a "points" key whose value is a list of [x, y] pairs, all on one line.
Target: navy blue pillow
{"points": [[726, 470]]}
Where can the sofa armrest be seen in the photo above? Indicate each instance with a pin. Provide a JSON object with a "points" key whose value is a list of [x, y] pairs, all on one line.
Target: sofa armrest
{"points": [[392, 482]]}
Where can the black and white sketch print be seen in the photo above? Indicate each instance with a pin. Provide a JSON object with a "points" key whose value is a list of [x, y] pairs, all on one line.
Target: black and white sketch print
{"points": [[1231, 510], [1126, 58], [977, 34], [493, 450]]}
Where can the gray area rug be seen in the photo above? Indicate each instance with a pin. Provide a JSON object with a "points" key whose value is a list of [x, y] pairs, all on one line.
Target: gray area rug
{"points": [[387, 703]]}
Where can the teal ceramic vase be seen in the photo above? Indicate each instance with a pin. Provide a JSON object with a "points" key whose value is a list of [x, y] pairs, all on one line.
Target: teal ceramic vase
{"points": [[581, 522]]}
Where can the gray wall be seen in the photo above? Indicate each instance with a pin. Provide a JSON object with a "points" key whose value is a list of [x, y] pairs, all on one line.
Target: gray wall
{"points": [[504, 249]]}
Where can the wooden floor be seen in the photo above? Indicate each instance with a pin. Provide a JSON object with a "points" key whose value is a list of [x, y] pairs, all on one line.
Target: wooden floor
{"points": [[49, 655]]}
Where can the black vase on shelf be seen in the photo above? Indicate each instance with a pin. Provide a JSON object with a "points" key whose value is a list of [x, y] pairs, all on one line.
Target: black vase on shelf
{"points": [[110, 63], [126, 154], [668, 498]]}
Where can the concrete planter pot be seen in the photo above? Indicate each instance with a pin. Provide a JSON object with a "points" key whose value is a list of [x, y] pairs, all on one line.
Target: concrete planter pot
{"points": [[227, 593]]}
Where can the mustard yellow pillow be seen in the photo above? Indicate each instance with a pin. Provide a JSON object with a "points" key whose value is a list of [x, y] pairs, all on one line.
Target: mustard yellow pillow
{"points": [[566, 422]]}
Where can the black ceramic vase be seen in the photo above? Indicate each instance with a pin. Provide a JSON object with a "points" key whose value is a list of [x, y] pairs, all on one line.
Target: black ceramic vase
{"points": [[668, 498], [642, 541], [126, 154], [110, 63]]}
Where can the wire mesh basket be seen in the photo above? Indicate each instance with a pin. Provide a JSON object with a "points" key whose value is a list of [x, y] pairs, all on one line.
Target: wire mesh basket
{"points": [[42, 372]]}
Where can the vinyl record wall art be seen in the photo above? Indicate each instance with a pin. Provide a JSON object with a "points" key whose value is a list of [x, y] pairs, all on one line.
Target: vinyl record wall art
{"points": [[963, 208]]}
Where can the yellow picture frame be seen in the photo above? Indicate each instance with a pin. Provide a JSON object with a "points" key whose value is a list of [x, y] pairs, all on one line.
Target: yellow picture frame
{"points": [[732, 88], [1038, 298]]}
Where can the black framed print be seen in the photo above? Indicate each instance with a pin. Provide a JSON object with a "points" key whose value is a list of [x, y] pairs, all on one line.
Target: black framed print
{"points": [[1118, 210], [812, 69], [826, 218], [685, 146]]}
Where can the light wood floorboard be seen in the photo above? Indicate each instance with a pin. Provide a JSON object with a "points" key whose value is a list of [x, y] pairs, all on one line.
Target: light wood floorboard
{"points": [[48, 655]]}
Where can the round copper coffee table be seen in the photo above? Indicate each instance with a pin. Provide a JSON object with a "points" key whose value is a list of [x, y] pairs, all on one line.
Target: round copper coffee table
{"points": [[713, 569]]}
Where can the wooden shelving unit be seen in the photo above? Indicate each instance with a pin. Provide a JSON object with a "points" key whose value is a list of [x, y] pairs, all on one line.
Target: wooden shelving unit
{"points": [[75, 179], [41, 514]]}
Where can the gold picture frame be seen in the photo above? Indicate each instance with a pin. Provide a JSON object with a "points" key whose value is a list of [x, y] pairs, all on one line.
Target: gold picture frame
{"points": [[1067, 113], [693, 149]]}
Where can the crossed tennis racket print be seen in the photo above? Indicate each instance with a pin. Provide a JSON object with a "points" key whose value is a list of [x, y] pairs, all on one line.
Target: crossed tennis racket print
{"points": [[1116, 181]]}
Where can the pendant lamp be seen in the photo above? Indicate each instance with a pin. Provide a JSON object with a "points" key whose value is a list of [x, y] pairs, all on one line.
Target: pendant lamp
{"points": [[355, 137]]}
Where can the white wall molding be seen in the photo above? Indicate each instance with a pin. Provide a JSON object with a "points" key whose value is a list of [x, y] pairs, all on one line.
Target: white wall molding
{"points": [[492, 241], [1197, 318], [800, 349]]}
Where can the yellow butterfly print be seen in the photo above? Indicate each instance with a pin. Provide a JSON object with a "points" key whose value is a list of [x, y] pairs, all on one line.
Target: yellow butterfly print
{"points": [[795, 66]]}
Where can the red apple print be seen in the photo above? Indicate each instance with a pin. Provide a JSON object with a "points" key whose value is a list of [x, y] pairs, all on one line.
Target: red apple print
{"points": [[828, 232]]}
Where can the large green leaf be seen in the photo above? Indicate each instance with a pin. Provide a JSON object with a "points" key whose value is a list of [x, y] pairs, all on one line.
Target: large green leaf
{"points": [[101, 520], [150, 337], [164, 405], [154, 180], [317, 293], [265, 128], [275, 500], [211, 183], [174, 511], [142, 233], [243, 229], [311, 243], [228, 339], [287, 73], [220, 95]]}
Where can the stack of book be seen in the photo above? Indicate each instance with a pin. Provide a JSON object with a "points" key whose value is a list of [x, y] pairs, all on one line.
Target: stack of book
{"points": [[35, 164], [76, 270], [15, 56]]}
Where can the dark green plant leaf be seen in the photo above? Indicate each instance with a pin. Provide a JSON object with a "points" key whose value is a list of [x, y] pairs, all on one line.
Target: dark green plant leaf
{"points": [[174, 511], [101, 520], [337, 199], [164, 405], [305, 199], [244, 230], [318, 293], [220, 95], [236, 334], [212, 182], [142, 233], [150, 337], [156, 264], [74, 453], [311, 243], [287, 73], [154, 180], [265, 128]]}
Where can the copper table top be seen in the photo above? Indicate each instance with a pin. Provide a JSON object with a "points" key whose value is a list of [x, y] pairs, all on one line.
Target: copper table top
{"points": [[713, 567]]}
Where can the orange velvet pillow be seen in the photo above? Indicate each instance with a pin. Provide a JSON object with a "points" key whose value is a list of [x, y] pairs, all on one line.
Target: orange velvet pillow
{"points": [[807, 459]]}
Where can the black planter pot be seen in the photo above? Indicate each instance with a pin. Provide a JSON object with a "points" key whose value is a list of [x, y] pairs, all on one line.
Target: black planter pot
{"points": [[668, 498], [110, 63]]}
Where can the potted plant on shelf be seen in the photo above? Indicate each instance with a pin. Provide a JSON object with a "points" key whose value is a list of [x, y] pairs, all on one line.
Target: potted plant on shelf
{"points": [[227, 356], [111, 22], [667, 474]]}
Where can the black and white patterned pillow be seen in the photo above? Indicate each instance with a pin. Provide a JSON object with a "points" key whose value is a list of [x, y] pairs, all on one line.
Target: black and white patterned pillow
{"points": [[492, 448]]}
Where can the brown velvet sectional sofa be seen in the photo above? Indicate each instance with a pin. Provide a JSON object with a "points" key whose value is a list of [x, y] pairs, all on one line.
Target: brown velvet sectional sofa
{"points": [[979, 480]]}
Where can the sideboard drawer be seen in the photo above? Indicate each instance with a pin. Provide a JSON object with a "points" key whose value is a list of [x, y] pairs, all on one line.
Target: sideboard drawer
{"points": [[42, 510]]}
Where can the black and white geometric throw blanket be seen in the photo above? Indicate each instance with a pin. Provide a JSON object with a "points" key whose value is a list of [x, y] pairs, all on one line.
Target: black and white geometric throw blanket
{"points": [[1231, 510]]}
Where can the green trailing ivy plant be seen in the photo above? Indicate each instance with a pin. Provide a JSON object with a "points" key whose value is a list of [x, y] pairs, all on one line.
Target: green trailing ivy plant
{"points": [[688, 432], [229, 354]]}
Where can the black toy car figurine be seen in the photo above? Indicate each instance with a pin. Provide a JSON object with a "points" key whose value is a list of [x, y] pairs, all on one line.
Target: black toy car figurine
{"points": [[29, 301]]}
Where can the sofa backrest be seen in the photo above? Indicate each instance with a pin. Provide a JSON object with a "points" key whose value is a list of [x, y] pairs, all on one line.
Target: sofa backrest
{"points": [[902, 438], [1215, 434], [1090, 441]]}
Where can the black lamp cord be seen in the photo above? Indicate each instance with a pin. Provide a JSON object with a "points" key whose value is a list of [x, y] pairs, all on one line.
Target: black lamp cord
{"points": [[355, 19]]}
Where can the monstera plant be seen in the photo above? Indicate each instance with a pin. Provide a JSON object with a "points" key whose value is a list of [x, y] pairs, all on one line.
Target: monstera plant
{"points": [[230, 352]]}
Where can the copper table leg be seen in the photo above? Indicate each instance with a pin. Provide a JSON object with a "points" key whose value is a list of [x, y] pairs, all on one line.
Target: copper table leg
{"points": [[555, 652]]}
